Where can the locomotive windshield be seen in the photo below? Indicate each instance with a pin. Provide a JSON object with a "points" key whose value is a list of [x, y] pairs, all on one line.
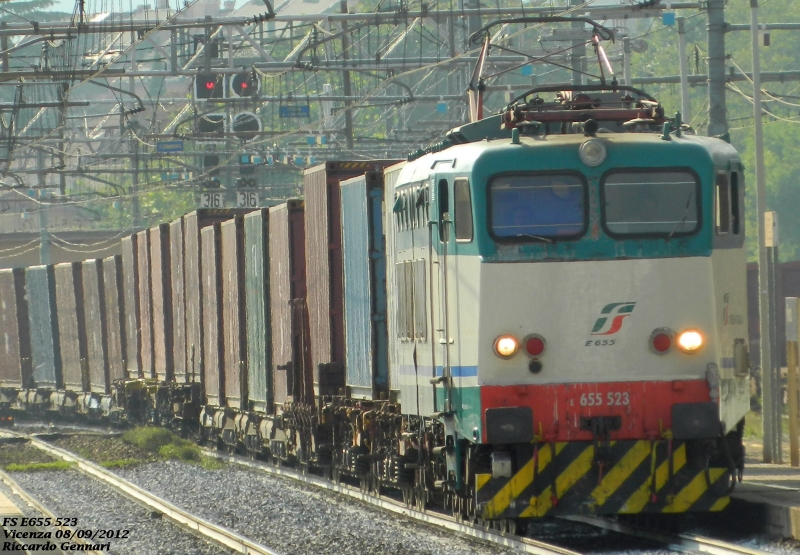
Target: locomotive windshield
{"points": [[537, 206], [660, 203]]}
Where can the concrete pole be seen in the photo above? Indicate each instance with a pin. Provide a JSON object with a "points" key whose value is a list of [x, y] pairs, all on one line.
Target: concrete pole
{"points": [[626, 57], [685, 104], [44, 236], [767, 388], [578, 52], [717, 112], [346, 84]]}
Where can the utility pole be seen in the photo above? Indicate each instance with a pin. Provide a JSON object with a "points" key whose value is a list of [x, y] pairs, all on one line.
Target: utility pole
{"points": [[717, 112], [685, 105], [626, 60], [346, 85], [770, 450], [578, 52], [44, 237]]}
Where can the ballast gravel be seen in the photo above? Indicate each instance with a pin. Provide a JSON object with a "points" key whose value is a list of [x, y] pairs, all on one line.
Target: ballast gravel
{"points": [[293, 518], [67, 493]]}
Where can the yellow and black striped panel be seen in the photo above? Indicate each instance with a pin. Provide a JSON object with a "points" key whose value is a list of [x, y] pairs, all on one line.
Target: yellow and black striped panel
{"points": [[625, 477]]}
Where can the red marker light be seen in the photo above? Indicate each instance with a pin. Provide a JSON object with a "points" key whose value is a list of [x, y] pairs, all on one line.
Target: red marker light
{"points": [[534, 345], [662, 342]]}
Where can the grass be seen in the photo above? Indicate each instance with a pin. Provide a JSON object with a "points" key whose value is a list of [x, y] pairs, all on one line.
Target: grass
{"points": [[211, 463], [32, 467], [18, 453], [149, 439], [168, 446], [753, 425]]}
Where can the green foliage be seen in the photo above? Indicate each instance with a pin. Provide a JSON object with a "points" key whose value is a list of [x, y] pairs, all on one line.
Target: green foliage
{"points": [[781, 133], [187, 452], [211, 463], [753, 425], [149, 439], [168, 446], [33, 10], [33, 467]]}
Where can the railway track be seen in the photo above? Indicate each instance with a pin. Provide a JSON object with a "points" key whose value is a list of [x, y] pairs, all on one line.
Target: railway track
{"points": [[677, 542], [199, 526], [227, 538], [681, 542], [230, 539], [17, 490]]}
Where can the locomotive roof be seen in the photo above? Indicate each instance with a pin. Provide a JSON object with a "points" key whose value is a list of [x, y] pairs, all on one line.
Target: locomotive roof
{"points": [[684, 150]]}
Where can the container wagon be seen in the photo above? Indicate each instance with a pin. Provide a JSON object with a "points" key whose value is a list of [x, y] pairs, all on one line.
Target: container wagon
{"points": [[15, 362]]}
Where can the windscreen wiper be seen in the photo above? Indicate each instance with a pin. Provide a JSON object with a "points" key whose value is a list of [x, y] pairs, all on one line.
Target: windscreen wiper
{"points": [[535, 237]]}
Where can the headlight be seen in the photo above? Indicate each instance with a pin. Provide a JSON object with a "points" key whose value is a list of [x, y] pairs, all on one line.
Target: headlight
{"points": [[592, 152], [506, 346], [690, 341]]}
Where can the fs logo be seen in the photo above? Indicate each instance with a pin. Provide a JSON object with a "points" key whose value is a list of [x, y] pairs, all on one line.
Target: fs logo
{"points": [[611, 317]]}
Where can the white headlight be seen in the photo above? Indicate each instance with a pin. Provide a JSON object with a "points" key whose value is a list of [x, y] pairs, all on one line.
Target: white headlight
{"points": [[506, 346], [592, 152], [690, 341]]}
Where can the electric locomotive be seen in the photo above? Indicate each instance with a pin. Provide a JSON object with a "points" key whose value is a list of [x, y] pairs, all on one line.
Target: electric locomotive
{"points": [[567, 300]]}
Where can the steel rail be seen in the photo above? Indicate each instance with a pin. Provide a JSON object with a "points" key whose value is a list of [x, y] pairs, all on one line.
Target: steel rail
{"points": [[217, 534], [17, 490], [523, 545], [683, 542]]}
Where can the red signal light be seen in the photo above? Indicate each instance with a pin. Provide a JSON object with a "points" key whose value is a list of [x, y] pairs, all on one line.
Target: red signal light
{"points": [[244, 85], [209, 85]]}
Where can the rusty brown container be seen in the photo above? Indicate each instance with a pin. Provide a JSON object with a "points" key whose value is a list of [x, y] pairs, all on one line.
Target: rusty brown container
{"points": [[212, 315], [291, 357], [15, 362], [324, 268], [94, 308], [234, 330], [193, 223], [177, 278], [130, 281], [161, 287], [113, 289], [71, 326], [147, 370]]}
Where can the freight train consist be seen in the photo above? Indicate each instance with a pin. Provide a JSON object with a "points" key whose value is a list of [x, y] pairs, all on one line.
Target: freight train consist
{"points": [[543, 315]]}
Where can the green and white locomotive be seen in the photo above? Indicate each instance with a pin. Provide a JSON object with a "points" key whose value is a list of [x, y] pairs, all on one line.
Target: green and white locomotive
{"points": [[567, 301]]}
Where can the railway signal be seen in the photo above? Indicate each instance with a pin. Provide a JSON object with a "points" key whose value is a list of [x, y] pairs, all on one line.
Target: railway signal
{"points": [[244, 85], [246, 125], [209, 86], [211, 123]]}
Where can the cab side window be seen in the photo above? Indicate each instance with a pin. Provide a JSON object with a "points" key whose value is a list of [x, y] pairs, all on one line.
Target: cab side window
{"points": [[462, 206], [723, 202], [735, 200], [444, 208]]}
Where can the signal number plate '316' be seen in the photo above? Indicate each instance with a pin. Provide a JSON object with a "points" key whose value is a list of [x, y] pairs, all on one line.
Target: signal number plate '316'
{"points": [[609, 399]]}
